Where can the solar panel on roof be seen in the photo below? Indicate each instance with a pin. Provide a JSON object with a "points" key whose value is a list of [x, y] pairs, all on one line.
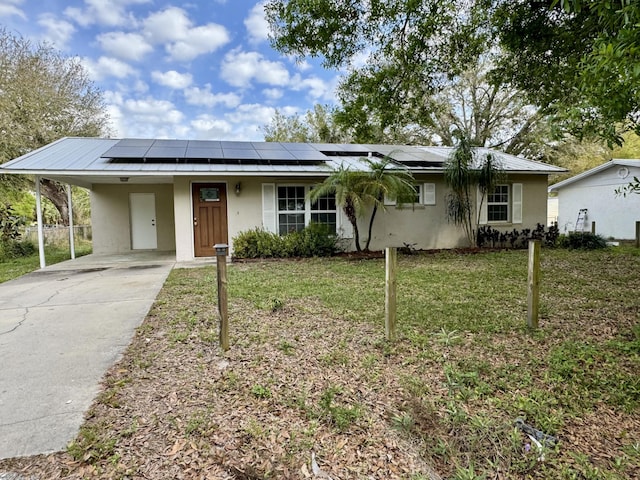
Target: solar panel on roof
{"points": [[275, 154], [232, 153], [135, 142], [204, 144], [171, 143], [125, 152], [157, 151], [237, 145], [196, 152]]}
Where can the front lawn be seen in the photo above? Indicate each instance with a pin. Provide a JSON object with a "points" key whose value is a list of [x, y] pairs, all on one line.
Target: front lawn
{"points": [[309, 371]]}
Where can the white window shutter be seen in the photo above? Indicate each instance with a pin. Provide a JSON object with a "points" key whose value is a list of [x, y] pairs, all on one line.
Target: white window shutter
{"points": [[345, 229], [269, 211], [483, 208], [388, 201], [429, 194], [516, 203]]}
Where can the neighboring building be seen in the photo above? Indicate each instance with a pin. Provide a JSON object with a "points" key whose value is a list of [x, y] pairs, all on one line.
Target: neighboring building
{"points": [[185, 196], [614, 215]]}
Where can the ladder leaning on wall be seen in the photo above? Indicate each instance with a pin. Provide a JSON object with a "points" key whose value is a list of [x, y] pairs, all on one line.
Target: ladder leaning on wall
{"points": [[580, 221]]}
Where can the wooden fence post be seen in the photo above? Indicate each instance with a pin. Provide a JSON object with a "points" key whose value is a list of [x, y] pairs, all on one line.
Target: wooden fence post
{"points": [[391, 263], [593, 227], [637, 234], [221, 262], [533, 284]]}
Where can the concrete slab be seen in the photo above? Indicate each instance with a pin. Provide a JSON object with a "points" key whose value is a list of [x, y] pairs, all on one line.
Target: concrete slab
{"points": [[61, 328]]}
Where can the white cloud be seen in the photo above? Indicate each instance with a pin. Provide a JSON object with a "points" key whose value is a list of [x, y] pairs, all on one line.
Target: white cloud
{"points": [[168, 25], [107, 67], [111, 13], [208, 127], [146, 117], [127, 46], [252, 114], [240, 68], [273, 93], [199, 40], [58, 32], [10, 8], [256, 24], [317, 88], [183, 42], [172, 79], [204, 97]]}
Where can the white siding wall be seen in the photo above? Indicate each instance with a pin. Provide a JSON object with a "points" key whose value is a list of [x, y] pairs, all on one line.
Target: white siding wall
{"points": [[110, 217], [615, 216]]}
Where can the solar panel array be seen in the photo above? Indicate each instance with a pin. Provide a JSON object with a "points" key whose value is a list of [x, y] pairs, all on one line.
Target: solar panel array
{"points": [[151, 151], [200, 151]]}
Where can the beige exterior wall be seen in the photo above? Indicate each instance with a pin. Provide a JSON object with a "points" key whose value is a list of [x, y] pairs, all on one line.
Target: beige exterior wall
{"points": [[111, 220], [426, 226]]}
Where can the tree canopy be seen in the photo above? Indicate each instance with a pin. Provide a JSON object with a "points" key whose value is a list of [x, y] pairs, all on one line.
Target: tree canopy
{"points": [[44, 96], [317, 126], [577, 61]]}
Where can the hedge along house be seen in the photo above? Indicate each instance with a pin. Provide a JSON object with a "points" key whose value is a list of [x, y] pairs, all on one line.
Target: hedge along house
{"points": [[185, 196]]}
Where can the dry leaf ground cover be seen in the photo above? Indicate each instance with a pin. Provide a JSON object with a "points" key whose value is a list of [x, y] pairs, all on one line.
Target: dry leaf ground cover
{"points": [[309, 371]]}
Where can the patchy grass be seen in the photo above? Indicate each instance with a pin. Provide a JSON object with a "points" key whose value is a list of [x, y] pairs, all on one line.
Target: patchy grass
{"points": [[309, 371], [16, 267]]}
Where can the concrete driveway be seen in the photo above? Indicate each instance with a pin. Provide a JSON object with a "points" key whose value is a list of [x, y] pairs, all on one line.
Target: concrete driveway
{"points": [[61, 328]]}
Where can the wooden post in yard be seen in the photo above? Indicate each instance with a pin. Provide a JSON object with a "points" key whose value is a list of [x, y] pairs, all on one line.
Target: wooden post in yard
{"points": [[593, 227], [533, 290], [221, 262], [637, 234], [391, 263]]}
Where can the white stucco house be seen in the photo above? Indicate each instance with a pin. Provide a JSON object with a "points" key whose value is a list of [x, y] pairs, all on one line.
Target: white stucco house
{"points": [[184, 196], [614, 215]]}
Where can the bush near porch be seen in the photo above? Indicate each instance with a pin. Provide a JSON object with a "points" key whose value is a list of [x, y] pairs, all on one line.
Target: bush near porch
{"points": [[309, 371]]}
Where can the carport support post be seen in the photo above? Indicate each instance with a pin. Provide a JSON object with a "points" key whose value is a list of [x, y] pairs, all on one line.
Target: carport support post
{"points": [[533, 289], [221, 262], [391, 263], [43, 262], [72, 246]]}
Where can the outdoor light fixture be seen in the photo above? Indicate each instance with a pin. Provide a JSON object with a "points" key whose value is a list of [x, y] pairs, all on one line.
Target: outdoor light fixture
{"points": [[221, 249], [238, 187], [124, 179]]}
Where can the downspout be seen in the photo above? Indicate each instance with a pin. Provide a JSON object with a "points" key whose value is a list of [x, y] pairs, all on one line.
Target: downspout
{"points": [[40, 228], [72, 246]]}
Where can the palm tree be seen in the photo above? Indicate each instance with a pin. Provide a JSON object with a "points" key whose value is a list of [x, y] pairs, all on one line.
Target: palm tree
{"points": [[385, 179], [462, 175], [346, 185]]}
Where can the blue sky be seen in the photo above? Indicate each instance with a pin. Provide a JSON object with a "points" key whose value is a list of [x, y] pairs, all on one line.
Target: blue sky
{"points": [[202, 69]]}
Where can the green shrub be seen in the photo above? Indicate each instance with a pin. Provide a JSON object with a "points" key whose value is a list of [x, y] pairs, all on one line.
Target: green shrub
{"points": [[15, 249], [582, 241], [313, 241]]}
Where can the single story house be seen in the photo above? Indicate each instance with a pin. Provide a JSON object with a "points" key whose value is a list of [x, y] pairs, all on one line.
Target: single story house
{"points": [[589, 201], [187, 195]]}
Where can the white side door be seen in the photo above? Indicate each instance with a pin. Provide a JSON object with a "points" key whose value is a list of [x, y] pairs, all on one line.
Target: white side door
{"points": [[143, 221]]}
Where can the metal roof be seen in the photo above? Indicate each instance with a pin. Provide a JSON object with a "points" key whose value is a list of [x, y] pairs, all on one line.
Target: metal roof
{"points": [[593, 171], [102, 157]]}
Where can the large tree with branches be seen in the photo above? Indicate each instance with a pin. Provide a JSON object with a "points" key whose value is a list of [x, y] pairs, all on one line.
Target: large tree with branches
{"points": [[44, 96]]}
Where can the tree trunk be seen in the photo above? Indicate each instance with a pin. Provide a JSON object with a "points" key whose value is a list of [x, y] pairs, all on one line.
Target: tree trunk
{"points": [[373, 216], [57, 194], [350, 212]]}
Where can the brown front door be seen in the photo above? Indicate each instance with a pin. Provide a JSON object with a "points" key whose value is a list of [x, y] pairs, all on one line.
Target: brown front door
{"points": [[209, 217]]}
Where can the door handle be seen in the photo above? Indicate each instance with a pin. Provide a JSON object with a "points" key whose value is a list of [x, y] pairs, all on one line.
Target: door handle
{"points": [[195, 222]]}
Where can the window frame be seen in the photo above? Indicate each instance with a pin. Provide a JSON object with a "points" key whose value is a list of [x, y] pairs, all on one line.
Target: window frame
{"points": [[507, 203], [308, 210]]}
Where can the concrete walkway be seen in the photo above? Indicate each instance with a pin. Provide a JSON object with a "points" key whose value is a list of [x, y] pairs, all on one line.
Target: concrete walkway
{"points": [[61, 328]]}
